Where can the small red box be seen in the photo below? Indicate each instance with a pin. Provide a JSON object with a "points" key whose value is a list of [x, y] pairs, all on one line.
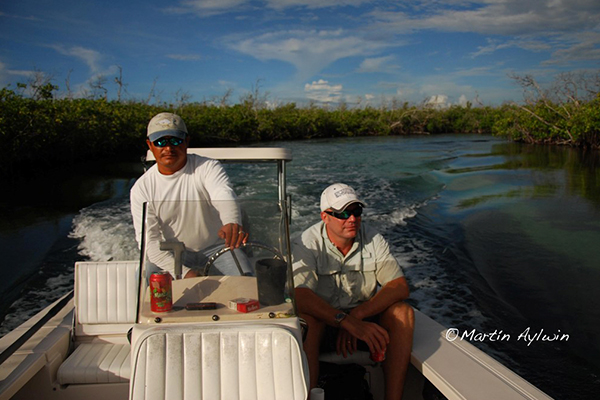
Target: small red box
{"points": [[244, 304]]}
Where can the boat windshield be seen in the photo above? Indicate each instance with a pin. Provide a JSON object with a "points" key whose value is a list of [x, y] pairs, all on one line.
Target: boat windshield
{"points": [[183, 242]]}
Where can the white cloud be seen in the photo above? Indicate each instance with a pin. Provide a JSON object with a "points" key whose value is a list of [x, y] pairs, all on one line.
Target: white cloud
{"points": [[309, 51], [438, 101], [312, 4], [5, 71], [526, 44], [7, 74], [378, 64], [27, 18], [532, 25], [405, 92], [501, 17], [184, 57], [585, 48], [208, 8], [225, 83], [90, 57], [93, 59], [323, 92]]}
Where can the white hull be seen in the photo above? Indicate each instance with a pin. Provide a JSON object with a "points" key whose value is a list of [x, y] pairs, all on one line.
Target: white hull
{"points": [[457, 369]]}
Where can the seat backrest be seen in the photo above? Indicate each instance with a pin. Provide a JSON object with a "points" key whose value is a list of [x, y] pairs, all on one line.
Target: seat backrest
{"points": [[234, 362], [105, 297]]}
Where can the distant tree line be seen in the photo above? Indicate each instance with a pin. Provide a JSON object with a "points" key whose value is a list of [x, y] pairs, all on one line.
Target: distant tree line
{"points": [[42, 130]]}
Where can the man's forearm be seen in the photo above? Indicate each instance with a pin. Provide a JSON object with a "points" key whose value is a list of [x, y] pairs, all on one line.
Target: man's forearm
{"points": [[393, 292], [310, 303]]}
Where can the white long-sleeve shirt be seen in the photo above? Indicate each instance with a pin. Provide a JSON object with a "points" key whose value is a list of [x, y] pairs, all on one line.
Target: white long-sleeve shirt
{"points": [[210, 204]]}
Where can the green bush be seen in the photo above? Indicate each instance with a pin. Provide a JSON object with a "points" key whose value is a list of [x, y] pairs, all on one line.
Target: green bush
{"points": [[46, 131]]}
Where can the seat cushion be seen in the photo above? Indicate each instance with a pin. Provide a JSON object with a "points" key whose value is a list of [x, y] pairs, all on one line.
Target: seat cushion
{"points": [[106, 293], [96, 363], [237, 363]]}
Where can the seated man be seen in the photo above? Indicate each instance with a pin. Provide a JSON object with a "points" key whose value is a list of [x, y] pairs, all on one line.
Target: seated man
{"points": [[189, 199], [338, 263]]}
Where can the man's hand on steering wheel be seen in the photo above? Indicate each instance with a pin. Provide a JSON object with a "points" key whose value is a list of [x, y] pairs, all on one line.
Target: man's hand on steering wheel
{"points": [[233, 234]]}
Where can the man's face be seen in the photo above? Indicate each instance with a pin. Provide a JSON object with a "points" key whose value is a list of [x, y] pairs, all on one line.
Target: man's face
{"points": [[342, 229], [170, 158]]}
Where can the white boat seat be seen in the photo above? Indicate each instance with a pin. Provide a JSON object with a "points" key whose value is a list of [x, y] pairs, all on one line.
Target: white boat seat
{"points": [[96, 363], [256, 362], [105, 296], [105, 309]]}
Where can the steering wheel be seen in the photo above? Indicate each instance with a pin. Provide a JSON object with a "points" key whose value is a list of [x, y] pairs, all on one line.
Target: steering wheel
{"points": [[225, 249]]}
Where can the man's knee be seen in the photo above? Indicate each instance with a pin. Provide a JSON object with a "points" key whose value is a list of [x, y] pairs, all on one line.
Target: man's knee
{"points": [[311, 321], [399, 313], [314, 326]]}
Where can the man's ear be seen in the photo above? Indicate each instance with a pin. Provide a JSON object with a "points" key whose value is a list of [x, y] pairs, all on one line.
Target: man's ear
{"points": [[148, 143], [324, 215]]}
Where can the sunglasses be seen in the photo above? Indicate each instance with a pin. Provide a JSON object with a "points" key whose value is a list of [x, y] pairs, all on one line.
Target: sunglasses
{"points": [[357, 212], [165, 141]]}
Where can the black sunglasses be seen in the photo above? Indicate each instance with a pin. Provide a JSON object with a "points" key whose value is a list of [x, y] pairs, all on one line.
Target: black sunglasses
{"points": [[164, 141], [357, 212]]}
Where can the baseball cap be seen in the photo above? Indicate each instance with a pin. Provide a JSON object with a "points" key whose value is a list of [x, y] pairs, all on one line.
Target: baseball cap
{"points": [[166, 124], [338, 196]]}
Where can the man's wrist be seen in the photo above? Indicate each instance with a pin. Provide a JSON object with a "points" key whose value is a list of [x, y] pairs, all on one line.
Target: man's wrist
{"points": [[348, 322], [339, 317], [356, 313]]}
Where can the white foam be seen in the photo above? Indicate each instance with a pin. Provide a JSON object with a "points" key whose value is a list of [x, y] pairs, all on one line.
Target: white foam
{"points": [[427, 282], [106, 232]]}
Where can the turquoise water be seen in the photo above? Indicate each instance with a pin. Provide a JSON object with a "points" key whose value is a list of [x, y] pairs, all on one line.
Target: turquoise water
{"points": [[492, 236]]}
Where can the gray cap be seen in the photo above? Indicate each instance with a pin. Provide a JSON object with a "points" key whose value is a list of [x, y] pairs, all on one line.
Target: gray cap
{"points": [[166, 124]]}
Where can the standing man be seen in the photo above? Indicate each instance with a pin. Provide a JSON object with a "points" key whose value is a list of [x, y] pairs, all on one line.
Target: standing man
{"points": [[338, 263], [189, 199]]}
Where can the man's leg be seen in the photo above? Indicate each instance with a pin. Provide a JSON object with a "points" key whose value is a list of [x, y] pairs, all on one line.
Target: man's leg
{"points": [[399, 321], [312, 343]]}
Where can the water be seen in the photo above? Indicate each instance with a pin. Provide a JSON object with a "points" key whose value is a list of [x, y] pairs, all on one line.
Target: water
{"points": [[493, 237]]}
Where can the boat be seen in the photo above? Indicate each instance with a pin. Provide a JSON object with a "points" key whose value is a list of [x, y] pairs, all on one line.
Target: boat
{"points": [[102, 340]]}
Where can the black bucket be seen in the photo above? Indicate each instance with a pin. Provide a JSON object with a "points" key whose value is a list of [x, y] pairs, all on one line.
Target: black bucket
{"points": [[271, 275]]}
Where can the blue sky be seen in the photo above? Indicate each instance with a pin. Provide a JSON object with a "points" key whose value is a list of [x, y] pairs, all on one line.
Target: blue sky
{"points": [[321, 51]]}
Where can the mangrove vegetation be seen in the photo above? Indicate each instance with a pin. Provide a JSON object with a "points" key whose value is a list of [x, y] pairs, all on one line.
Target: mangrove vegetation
{"points": [[41, 128]]}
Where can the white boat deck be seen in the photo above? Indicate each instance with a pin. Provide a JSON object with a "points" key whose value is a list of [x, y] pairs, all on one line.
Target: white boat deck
{"points": [[458, 369], [41, 356]]}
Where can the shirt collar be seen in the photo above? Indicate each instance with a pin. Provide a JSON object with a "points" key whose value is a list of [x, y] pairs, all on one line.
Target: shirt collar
{"points": [[332, 247]]}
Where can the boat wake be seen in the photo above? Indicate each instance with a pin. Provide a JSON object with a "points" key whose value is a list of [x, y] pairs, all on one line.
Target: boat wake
{"points": [[105, 231], [100, 232]]}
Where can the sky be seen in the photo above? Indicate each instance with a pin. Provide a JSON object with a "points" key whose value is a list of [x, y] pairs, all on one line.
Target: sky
{"points": [[357, 52]]}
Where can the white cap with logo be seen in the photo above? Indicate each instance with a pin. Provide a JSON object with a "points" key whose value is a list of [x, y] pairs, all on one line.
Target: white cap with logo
{"points": [[166, 124], [338, 196]]}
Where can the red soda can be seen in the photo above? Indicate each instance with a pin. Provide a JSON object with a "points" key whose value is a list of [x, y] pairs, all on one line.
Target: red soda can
{"points": [[161, 292], [378, 356]]}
